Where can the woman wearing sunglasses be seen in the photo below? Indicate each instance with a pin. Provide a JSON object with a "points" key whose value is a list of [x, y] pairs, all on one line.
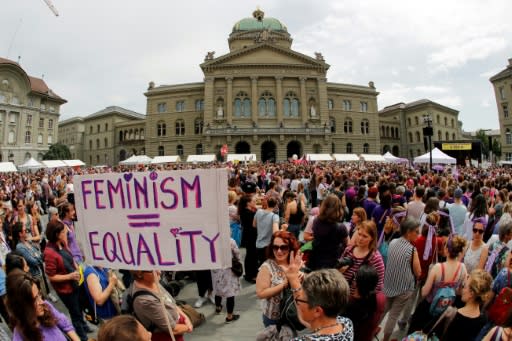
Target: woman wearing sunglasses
{"points": [[477, 251], [271, 280]]}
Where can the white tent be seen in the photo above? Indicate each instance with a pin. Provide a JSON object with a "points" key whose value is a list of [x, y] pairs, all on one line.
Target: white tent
{"points": [[318, 157], [31, 164], [201, 158], [391, 158], [6, 167], [53, 163], [136, 160], [373, 158], [241, 157], [345, 157], [165, 159], [437, 157], [74, 163]]}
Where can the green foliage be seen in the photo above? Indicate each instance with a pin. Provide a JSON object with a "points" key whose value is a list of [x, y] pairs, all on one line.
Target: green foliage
{"points": [[480, 135], [57, 151], [496, 147]]}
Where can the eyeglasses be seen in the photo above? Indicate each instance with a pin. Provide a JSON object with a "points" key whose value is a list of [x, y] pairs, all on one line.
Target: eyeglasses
{"points": [[283, 247], [298, 300], [478, 231]]}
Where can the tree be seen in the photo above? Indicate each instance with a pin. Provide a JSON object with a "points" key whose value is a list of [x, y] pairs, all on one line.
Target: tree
{"points": [[496, 148], [483, 138], [57, 151]]}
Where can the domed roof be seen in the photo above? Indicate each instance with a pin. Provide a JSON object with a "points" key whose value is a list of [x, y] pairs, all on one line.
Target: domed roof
{"points": [[259, 23]]}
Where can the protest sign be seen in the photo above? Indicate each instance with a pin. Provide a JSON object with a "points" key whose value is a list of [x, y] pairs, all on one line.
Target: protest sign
{"points": [[171, 220]]}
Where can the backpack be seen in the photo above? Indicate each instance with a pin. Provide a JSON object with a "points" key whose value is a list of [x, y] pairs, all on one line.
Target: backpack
{"points": [[195, 317], [88, 308], [499, 309], [288, 311], [445, 295], [128, 300], [495, 261]]}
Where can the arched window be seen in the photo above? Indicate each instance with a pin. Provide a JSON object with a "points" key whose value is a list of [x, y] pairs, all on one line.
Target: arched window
{"points": [[242, 105], [136, 134], [410, 137], [365, 126], [28, 137], [120, 136], [97, 143], [366, 148], [417, 120], [106, 142], [125, 135], [198, 126], [179, 150], [447, 136], [396, 133], [453, 136], [266, 105], [438, 118], [180, 127], [199, 105], [291, 105], [349, 147], [161, 129], [446, 121], [142, 134], [382, 131], [130, 135], [409, 121], [418, 136], [453, 123], [387, 131], [199, 149], [161, 151], [347, 126], [90, 144], [439, 135]]}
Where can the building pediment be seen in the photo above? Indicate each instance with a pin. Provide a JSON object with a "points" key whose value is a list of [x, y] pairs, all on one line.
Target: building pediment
{"points": [[265, 55]]}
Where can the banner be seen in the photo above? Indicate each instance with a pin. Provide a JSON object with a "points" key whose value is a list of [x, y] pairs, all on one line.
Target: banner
{"points": [[456, 146], [169, 220]]}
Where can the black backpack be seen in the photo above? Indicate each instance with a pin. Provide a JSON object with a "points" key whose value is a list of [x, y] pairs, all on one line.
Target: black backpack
{"points": [[87, 307], [129, 299]]}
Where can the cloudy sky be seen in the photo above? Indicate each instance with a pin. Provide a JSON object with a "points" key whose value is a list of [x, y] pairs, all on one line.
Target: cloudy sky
{"points": [[102, 53]]}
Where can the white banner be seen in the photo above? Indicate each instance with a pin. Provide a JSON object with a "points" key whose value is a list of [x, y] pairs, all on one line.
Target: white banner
{"points": [[172, 220]]}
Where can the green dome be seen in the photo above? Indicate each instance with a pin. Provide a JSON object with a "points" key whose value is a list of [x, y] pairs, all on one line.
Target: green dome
{"points": [[253, 24]]}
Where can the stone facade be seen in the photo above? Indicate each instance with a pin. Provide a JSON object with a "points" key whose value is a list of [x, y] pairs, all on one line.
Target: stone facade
{"points": [[29, 113], [502, 83], [71, 133], [263, 98], [401, 127]]}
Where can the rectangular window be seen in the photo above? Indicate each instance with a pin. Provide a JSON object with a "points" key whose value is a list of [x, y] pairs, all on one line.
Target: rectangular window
{"points": [[41, 123], [162, 107], [502, 93], [347, 105], [29, 120], [12, 118], [180, 106], [505, 110], [50, 124], [364, 106]]}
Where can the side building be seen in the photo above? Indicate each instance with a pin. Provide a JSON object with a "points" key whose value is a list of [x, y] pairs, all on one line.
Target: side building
{"points": [[502, 83], [263, 98], [105, 137], [29, 112], [401, 127]]}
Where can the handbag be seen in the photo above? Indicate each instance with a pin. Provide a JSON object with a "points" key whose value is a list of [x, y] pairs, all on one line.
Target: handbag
{"points": [[498, 311], [237, 267]]}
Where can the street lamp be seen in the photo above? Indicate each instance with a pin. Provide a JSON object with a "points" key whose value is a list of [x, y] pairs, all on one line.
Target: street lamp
{"points": [[428, 132]]}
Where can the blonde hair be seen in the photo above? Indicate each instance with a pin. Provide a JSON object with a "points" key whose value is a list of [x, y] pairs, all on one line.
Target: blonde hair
{"points": [[232, 196], [480, 284]]}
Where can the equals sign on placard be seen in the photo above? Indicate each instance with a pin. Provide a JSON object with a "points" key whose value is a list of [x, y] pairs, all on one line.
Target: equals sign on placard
{"points": [[144, 220]]}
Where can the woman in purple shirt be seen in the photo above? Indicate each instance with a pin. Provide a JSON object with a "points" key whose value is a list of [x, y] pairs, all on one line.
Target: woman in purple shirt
{"points": [[34, 319], [67, 214]]}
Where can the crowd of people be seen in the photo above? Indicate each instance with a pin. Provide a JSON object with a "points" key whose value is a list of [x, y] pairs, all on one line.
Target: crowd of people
{"points": [[358, 250]]}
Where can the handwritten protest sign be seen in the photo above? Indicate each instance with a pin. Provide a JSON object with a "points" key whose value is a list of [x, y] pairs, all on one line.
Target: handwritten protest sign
{"points": [[173, 220]]}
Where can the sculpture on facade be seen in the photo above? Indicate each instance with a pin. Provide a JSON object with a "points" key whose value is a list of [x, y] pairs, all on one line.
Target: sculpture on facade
{"points": [[220, 110], [319, 56], [209, 55]]}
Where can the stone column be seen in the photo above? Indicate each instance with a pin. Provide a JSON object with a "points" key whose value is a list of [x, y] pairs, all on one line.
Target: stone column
{"points": [[254, 98], [210, 110], [229, 100], [321, 100], [303, 100], [279, 99]]}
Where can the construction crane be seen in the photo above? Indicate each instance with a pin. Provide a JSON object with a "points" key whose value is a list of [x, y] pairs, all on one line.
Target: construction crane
{"points": [[52, 8]]}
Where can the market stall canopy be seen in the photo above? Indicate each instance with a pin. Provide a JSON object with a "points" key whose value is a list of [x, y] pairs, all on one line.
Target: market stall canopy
{"points": [[391, 158], [345, 157], [165, 159], [53, 163], [373, 158], [136, 160], [6, 167], [437, 157], [319, 157], [201, 158], [31, 164], [241, 157], [74, 163]]}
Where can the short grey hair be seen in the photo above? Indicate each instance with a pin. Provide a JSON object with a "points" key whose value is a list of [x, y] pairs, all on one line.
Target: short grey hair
{"points": [[408, 225], [505, 230], [328, 289]]}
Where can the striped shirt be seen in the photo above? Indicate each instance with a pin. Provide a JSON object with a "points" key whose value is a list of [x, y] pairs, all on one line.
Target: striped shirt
{"points": [[399, 277], [374, 260]]}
